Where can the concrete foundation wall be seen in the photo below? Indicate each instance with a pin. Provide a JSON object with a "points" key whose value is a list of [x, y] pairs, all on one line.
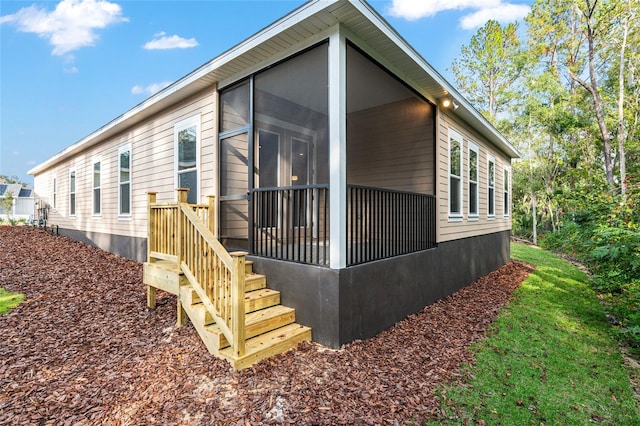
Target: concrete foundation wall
{"points": [[130, 247], [360, 301]]}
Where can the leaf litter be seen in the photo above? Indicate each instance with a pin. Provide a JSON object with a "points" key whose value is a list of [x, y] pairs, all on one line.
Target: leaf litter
{"points": [[83, 349]]}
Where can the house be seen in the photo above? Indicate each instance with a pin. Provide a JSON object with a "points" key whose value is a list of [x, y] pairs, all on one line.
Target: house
{"points": [[22, 201], [359, 181]]}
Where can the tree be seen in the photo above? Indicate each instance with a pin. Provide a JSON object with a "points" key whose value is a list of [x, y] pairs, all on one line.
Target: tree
{"points": [[6, 204], [585, 32], [12, 179], [489, 66]]}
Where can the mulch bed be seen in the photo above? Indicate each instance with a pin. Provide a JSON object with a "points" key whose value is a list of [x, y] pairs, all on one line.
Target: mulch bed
{"points": [[84, 349]]}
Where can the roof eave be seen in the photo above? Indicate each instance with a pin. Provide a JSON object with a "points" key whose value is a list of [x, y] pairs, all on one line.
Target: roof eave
{"points": [[200, 78]]}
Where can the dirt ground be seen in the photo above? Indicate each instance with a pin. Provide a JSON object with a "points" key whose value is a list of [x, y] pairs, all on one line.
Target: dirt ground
{"points": [[84, 349]]}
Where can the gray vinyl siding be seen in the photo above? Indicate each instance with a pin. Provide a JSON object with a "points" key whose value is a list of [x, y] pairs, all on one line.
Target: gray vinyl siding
{"points": [[469, 227], [152, 169]]}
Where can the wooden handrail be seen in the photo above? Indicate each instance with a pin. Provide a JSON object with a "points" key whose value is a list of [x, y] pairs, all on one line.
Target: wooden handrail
{"points": [[184, 233]]}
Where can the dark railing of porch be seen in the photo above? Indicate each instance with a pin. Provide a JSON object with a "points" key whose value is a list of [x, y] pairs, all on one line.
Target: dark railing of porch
{"points": [[292, 223], [383, 223]]}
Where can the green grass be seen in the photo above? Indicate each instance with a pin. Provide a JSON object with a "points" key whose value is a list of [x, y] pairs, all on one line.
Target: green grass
{"points": [[9, 300], [549, 359]]}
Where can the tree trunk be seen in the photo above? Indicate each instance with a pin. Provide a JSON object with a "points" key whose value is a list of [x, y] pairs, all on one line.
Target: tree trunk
{"points": [[621, 129], [592, 88], [534, 204]]}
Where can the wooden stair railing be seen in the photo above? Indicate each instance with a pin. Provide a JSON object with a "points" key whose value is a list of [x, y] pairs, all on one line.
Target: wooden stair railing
{"points": [[183, 233]]}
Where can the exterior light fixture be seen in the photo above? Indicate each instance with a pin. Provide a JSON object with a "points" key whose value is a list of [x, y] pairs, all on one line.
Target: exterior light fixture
{"points": [[449, 103]]}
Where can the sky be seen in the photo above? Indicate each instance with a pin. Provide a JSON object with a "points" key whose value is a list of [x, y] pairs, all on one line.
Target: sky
{"points": [[69, 67]]}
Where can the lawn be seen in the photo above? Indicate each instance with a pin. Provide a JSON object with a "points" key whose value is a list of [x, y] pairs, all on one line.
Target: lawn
{"points": [[550, 358], [9, 300]]}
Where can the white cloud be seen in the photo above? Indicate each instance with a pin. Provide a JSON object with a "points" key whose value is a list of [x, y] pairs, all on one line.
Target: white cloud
{"points": [[502, 13], [70, 26], [162, 41], [150, 89], [412, 10]]}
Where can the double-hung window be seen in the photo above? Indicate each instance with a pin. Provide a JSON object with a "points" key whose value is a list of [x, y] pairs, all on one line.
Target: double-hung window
{"points": [[506, 186], [187, 147], [473, 181], [491, 187], [96, 185], [455, 175], [72, 192], [124, 181]]}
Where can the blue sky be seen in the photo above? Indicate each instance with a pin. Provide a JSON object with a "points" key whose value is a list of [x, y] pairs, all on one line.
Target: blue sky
{"points": [[68, 67]]}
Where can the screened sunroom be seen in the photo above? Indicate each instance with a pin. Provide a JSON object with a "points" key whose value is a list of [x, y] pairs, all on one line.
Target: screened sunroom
{"points": [[324, 177]]}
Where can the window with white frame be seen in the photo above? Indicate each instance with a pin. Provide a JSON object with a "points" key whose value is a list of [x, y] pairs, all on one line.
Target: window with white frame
{"points": [[473, 180], [72, 192], [96, 185], [491, 187], [506, 184], [124, 181], [187, 147], [54, 194], [455, 174]]}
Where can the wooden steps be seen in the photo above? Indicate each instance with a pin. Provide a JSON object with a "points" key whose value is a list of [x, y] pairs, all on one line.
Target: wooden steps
{"points": [[270, 328]]}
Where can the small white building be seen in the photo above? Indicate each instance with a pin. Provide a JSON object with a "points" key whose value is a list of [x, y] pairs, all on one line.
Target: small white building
{"points": [[22, 205]]}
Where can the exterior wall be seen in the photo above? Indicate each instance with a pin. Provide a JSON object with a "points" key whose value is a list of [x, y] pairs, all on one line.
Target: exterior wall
{"points": [[375, 158], [360, 301], [452, 229], [152, 169]]}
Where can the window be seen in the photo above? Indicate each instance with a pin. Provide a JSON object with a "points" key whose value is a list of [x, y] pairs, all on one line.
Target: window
{"points": [[72, 192], [53, 193], [473, 180], [124, 181], [186, 135], [97, 200], [506, 187], [491, 186], [455, 174]]}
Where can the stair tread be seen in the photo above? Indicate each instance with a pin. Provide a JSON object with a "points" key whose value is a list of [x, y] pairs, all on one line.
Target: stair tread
{"points": [[269, 344], [252, 318]]}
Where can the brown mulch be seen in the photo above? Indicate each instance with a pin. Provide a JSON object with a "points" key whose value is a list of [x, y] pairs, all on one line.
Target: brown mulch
{"points": [[83, 349]]}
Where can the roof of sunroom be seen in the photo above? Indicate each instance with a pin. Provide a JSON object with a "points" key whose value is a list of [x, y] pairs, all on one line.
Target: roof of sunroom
{"points": [[278, 40]]}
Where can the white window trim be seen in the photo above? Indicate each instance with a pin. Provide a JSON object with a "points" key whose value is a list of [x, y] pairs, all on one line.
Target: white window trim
{"points": [[75, 192], [54, 192], [473, 216], [491, 159], [121, 215], [506, 189], [177, 127], [95, 161], [455, 216]]}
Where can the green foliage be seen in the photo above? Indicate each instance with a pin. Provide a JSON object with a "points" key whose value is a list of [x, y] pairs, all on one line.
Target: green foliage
{"points": [[9, 300], [6, 203], [489, 66], [550, 358], [12, 179], [604, 234]]}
